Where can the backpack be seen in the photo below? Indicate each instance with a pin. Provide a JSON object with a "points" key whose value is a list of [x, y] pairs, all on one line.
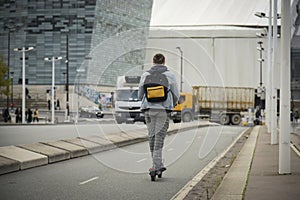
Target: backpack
{"points": [[156, 86]]}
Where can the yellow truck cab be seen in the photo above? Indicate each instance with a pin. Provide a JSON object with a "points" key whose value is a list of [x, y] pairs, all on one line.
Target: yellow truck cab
{"points": [[185, 109]]}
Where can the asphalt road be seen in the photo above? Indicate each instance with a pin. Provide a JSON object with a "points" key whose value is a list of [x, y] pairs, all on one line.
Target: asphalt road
{"points": [[16, 135], [122, 173]]}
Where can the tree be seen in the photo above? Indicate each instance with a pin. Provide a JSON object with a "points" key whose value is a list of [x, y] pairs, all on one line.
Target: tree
{"points": [[4, 82]]}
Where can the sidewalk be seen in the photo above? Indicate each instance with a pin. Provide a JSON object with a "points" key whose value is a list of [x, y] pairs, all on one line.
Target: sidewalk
{"points": [[261, 179]]}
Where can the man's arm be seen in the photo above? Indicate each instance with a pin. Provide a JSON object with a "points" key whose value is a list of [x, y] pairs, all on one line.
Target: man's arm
{"points": [[141, 92], [174, 89]]}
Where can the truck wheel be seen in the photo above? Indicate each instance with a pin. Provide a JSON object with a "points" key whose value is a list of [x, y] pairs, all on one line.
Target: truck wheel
{"points": [[236, 119], [186, 117], [224, 119]]}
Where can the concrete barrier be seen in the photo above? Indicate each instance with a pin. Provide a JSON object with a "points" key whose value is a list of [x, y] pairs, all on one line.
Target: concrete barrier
{"points": [[75, 150], [7, 165], [26, 158], [53, 154], [90, 146]]}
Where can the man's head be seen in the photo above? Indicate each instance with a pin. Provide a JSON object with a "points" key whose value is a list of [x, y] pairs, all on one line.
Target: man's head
{"points": [[159, 59]]}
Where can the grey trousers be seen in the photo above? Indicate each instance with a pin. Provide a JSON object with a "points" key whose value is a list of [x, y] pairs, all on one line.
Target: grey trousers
{"points": [[157, 123]]}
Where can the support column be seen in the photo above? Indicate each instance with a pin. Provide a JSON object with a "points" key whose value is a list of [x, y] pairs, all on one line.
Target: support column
{"points": [[269, 71], [285, 89], [274, 139]]}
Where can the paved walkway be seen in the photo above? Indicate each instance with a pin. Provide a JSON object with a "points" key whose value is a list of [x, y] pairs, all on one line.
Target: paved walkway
{"points": [[262, 180]]}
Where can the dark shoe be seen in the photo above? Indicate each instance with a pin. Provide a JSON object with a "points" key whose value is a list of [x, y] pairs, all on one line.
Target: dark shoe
{"points": [[160, 171], [152, 174]]}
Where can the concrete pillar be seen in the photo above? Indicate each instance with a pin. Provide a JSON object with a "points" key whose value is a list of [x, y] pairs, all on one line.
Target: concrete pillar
{"points": [[269, 70], [285, 90], [274, 79]]}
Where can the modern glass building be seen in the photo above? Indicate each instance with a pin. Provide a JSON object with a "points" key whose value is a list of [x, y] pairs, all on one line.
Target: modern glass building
{"points": [[104, 38]]}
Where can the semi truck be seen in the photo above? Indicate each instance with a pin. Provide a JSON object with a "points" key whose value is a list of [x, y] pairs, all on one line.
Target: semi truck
{"points": [[220, 104], [127, 105]]}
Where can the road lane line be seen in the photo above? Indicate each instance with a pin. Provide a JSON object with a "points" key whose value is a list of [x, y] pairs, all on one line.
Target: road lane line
{"points": [[142, 160], [171, 149], [87, 181]]}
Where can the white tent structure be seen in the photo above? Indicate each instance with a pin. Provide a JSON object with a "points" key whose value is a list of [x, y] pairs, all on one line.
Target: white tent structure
{"points": [[207, 12], [218, 40], [212, 55]]}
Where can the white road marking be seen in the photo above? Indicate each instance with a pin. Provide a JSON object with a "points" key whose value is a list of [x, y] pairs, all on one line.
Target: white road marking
{"points": [[295, 149], [142, 160], [171, 149], [92, 179]]}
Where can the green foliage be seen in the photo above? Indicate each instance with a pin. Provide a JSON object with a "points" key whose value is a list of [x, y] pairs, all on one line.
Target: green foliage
{"points": [[4, 82]]}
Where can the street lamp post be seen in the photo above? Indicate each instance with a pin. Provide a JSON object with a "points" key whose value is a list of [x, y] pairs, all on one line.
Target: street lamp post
{"points": [[272, 56], [181, 67], [8, 63], [260, 60], [79, 71], [261, 89], [23, 50], [12, 89], [53, 59], [67, 80], [269, 66], [273, 91]]}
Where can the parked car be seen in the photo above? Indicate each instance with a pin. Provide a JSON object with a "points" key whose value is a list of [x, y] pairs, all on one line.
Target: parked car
{"points": [[91, 112]]}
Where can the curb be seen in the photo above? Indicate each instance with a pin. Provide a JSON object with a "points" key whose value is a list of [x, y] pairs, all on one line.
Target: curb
{"points": [[234, 183], [20, 157], [181, 194]]}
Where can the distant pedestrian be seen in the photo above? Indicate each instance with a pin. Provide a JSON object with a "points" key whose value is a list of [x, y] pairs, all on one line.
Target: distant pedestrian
{"points": [[5, 115], [258, 116], [29, 116], [20, 116], [17, 113], [49, 104], [58, 104], [27, 93], [296, 115], [36, 115]]}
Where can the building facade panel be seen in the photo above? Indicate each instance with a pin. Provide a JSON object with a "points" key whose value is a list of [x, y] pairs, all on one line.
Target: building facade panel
{"points": [[88, 23]]}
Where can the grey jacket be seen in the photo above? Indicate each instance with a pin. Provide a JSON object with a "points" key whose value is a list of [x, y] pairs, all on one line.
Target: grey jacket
{"points": [[173, 94]]}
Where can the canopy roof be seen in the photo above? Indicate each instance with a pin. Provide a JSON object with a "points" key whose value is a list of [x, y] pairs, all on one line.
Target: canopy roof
{"points": [[209, 12]]}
